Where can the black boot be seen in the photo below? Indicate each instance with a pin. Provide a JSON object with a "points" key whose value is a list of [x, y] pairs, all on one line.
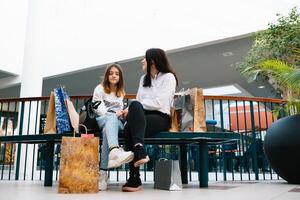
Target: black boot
{"points": [[133, 184]]}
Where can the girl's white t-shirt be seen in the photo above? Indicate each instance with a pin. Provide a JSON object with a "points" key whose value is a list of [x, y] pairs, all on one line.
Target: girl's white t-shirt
{"points": [[109, 102]]}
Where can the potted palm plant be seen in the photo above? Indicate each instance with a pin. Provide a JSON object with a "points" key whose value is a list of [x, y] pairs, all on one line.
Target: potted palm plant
{"points": [[275, 56]]}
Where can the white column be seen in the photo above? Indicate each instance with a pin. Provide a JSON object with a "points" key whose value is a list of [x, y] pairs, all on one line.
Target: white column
{"points": [[31, 85], [31, 77]]}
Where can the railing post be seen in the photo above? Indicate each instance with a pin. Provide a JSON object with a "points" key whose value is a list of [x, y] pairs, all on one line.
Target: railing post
{"points": [[223, 149], [224, 163], [19, 145], [221, 115], [254, 151]]}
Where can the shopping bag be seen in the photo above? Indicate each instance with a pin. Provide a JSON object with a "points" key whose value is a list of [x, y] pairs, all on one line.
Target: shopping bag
{"points": [[62, 117], [50, 126], [189, 111], [79, 165], [73, 115], [199, 112], [175, 127], [86, 134], [167, 175]]}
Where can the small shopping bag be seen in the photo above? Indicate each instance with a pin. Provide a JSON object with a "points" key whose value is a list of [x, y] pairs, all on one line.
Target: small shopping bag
{"points": [[50, 126], [175, 126], [167, 175], [73, 115], [79, 165]]}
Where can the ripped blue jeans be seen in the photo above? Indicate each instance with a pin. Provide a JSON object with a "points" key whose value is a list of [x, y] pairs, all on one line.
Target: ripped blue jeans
{"points": [[110, 126]]}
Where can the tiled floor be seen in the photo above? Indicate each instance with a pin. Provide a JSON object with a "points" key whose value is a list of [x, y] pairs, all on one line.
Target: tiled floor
{"points": [[242, 190]]}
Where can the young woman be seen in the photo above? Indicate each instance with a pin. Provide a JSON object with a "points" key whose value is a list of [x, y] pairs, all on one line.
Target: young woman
{"points": [[111, 92], [150, 114]]}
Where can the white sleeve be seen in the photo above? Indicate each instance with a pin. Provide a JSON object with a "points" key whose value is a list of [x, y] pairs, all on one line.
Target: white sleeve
{"points": [[162, 94], [98, 96], [140, 86]]}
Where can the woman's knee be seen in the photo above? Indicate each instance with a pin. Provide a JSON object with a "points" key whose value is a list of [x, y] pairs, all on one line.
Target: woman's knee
{"points": [[135, 105]]}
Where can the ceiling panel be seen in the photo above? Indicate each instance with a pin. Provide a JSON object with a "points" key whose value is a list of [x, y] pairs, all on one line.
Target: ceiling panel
{"points": [[203, 66]]}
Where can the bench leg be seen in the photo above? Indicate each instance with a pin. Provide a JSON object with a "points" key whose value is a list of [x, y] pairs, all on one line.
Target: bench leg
{"points": [[183, 164], [203, 165], [224, 156], [49, 164]]}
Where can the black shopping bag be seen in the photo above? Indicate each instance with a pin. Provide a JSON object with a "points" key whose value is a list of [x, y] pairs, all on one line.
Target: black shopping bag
{"points": [[167, 175]]}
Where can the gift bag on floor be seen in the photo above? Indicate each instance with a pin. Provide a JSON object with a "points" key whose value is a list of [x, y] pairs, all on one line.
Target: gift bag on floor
{"points": [[167, 175], [79, 165], [189, 111]]}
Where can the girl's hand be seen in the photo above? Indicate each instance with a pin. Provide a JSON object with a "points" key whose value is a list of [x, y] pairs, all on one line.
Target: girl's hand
{"points": [[125, 113], [119, 113]]}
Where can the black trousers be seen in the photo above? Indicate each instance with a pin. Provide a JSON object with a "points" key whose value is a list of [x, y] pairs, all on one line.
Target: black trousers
{"points": [[140, 124]]}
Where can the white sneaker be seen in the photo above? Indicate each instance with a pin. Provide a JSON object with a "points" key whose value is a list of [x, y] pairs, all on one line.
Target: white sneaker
{"points": [[118, 156], [103, 182]]}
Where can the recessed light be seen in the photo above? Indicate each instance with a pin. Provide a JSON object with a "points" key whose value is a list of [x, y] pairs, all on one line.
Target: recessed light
{"points": [[186, 82], [222, 90], [226, 54], [261, 86]]}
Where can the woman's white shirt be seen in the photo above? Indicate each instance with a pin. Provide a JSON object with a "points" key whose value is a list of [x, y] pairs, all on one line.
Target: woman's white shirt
{"points": [[109, 102], [160, 95]]}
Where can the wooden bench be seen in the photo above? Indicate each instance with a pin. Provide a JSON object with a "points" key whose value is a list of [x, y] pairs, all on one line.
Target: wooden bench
{"points": [[203, 139]]}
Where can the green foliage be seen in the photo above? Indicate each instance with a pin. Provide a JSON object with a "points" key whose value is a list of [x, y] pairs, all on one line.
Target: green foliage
{"points": [[280, 41], [275, 55], [286, 76]]}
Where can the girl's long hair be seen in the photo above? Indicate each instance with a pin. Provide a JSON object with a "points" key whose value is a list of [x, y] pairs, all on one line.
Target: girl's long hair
{"points": [[159, 58], [120, 85]]}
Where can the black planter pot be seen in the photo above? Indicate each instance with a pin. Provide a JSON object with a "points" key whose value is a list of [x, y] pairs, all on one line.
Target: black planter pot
{"points": [[282, 148]]}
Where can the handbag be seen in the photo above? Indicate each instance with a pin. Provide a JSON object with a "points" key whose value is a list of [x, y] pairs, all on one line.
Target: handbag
{"points": [[87, 115], [167, 175], [79, 165]]}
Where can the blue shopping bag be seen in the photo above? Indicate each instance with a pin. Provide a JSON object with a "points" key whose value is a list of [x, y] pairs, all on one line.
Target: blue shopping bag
{"points": [[62, 117]]}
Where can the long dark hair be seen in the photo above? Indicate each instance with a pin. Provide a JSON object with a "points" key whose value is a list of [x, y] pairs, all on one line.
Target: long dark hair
{"points": [[120, 85], [159, 58]]}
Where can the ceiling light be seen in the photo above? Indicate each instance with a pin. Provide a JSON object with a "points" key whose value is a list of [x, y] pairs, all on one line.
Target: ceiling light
{"points": [[186, 82], [261, 86], [226, 54], [222, 90]]}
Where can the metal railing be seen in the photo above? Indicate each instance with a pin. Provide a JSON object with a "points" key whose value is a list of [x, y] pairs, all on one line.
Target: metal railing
{"points": [[243, 160]]}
